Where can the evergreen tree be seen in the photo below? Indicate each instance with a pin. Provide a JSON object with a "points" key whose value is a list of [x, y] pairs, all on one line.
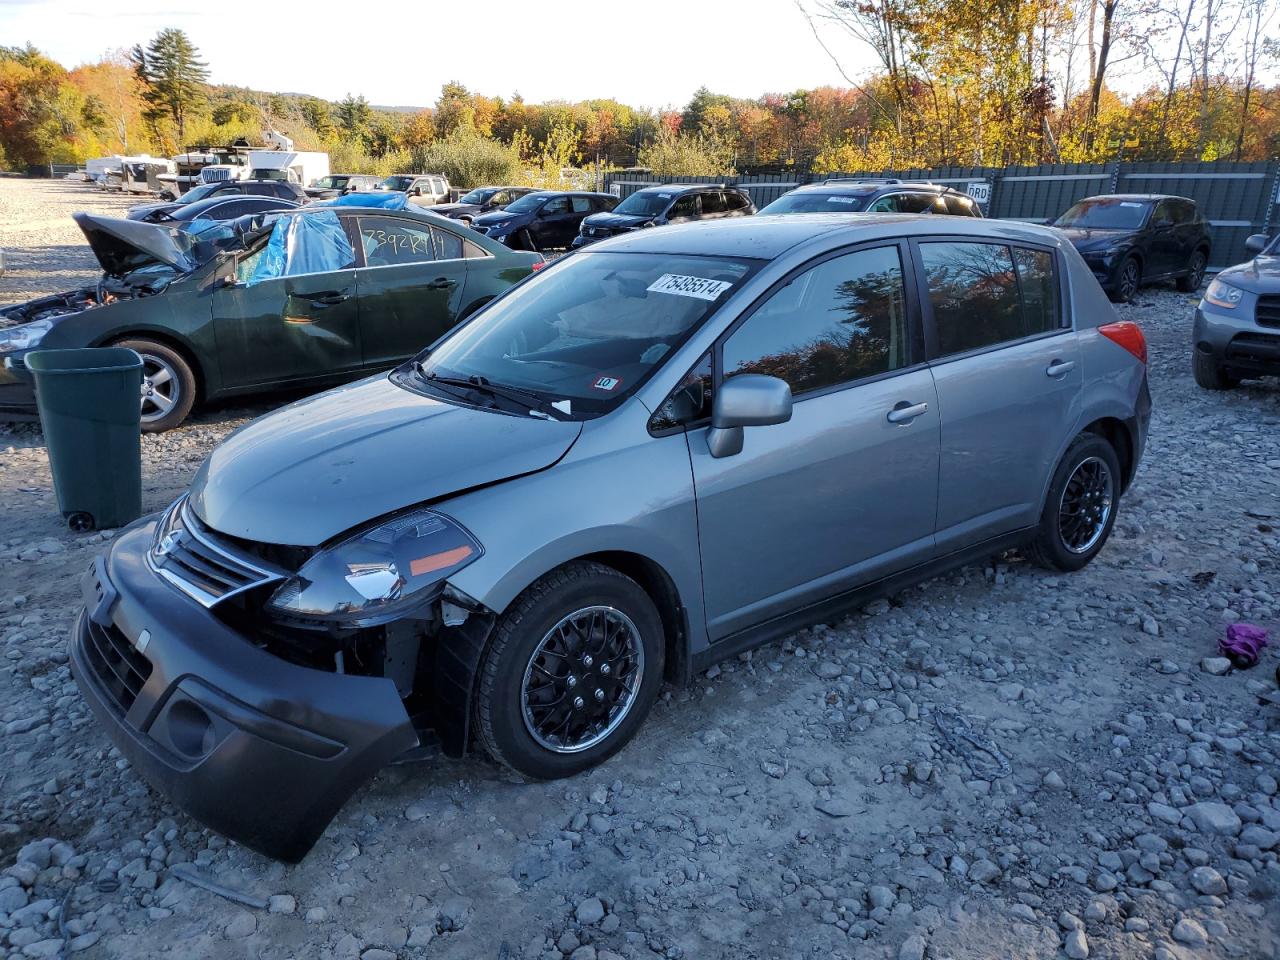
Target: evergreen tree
{"points": [[173, 77]]}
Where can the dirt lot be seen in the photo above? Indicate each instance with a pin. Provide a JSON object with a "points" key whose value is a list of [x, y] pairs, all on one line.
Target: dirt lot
{"points": [[801, 802]]}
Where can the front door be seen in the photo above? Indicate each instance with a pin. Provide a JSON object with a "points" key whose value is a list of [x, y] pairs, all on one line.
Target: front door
{"points": [[1008, 372], [555, 225], [411, 285], [846, 491], [287, 328]]}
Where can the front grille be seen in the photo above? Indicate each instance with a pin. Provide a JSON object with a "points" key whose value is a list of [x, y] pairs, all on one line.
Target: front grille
{"points": [[1254, 348], [1268, 311], [202, 564], [120, 668]]}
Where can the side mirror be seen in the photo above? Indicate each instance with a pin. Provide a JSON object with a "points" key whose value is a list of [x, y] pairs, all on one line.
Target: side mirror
{"points": [[1256, 244], [747, 400]]}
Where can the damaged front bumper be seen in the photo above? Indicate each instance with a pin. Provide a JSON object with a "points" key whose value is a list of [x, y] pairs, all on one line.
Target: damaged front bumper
{"points": [[260, 749]]}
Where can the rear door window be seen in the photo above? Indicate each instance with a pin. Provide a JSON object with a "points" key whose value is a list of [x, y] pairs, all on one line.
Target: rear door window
{"points": [[713, 202], [985, 294], [389, 241], [581, 204], [448, 245], [842, 320]]}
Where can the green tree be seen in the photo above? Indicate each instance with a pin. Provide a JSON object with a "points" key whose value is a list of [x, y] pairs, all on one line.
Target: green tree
{"points": [[174, 77], [353, 116]]}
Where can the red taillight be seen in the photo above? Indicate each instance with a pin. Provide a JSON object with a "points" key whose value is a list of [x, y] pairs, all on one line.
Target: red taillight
{"points": [[538, 264], [1128, 335]]}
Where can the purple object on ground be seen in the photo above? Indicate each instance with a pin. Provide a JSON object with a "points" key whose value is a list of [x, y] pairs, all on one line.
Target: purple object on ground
{"points": [[1243, 643]]}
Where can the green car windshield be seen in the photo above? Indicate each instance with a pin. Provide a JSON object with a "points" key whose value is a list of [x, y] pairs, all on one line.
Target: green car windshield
{"points": [[589, 331]]}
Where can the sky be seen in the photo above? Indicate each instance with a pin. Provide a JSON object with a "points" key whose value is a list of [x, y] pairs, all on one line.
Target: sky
{"points": [[654, 54]]}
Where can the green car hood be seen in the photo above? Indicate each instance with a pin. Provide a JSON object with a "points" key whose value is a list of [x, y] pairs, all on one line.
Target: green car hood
{"points": [[123, 246]]}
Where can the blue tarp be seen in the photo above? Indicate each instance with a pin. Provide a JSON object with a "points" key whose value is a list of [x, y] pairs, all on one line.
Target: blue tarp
{"points": [[384, 199], [309, 243]]}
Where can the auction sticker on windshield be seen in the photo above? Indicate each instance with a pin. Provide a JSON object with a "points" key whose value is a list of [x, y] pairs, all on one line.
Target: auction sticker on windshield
{"points": [[683, 286]]}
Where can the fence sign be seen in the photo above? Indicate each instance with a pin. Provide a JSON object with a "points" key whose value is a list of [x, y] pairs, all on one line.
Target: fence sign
{"points": [[979, 191]]}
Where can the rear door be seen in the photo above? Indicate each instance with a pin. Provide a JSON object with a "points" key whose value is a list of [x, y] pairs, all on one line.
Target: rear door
{"points": [[713, 205], [411, 282], [1166, 246], [1007, 368]]}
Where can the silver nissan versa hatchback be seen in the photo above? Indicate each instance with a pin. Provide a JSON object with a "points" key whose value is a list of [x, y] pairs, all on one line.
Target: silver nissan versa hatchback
{"points": [[655, 453]]}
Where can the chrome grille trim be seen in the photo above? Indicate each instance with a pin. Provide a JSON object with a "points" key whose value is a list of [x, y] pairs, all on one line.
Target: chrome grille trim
{"points": [[190, 557]]}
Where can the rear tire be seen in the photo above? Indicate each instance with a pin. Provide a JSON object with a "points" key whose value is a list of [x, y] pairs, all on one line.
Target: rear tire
{"points": [[1191, 280], [170, 382], [1127, 281], [1209, 373], [553, 697], [1080, 509]]}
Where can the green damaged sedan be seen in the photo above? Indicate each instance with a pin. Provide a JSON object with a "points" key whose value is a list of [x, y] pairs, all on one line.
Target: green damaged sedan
{"points": [[295, 299]]}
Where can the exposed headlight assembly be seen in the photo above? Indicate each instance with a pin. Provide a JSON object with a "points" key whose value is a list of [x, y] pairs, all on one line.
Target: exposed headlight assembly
{"points": [[378, 574], [24, 336], [1223, 295]]}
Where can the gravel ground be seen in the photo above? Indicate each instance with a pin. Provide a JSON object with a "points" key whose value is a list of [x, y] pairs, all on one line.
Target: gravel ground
{"points": [[809, 800]]}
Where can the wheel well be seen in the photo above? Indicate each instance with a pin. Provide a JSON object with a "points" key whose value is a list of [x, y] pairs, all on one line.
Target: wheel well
{"points": [[1116, 433], [473, 307], [173, 344], [657, 583]]}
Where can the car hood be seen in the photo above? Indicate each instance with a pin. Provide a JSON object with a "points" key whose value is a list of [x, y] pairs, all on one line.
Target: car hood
{"points": [[1260, 275], [143, 210], [317, 468], [447, 209], [498, 216], [1083, 238], [616, 221], [123, 246]]}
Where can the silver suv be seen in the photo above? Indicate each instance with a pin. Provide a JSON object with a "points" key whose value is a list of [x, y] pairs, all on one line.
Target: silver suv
{"points": [[658, 452]]}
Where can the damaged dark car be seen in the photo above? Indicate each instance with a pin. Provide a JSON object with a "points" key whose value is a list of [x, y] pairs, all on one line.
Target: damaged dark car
{"points": [[293, 299]]}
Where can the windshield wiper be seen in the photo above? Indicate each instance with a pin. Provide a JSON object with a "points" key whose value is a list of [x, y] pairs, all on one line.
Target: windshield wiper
{"points": [[481, 384]]}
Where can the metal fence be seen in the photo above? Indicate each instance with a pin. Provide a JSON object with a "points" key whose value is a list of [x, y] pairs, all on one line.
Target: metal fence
{"points": [[1237, 199]]}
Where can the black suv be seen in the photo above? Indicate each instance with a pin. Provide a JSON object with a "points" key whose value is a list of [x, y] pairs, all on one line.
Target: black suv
{"points": [[1129, 239], [669, 203], [543, 219], [874, 195], [223, 189]]}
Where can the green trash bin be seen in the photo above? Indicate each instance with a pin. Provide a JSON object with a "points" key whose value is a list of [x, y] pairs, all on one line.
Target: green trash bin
{"points": [[91, 415]]}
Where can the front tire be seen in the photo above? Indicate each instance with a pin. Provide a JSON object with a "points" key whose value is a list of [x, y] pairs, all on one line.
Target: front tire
{"points": [[571, 673], [524, 241], [1191, 280], [168, 385], [1127, 281], [1080, 509], [1209, 373]]}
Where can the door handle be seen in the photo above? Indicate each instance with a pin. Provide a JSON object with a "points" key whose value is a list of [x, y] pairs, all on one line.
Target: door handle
{"points": [[905, 412], [442, 283], [328, 298], [1060, 368]]}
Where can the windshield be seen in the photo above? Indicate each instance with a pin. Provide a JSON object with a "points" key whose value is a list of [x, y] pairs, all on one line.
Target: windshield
{"points": [[528, 203], [1107, 214], [797, 202], [397, 183], [477, 196], [642, 203], [199, 193], [332, 183], [588, 332]]}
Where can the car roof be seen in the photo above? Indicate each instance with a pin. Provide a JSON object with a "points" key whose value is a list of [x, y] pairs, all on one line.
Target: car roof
{"points": [[686, 187], [861, 188], [571, 193], [768, 236], [1136, 197]]}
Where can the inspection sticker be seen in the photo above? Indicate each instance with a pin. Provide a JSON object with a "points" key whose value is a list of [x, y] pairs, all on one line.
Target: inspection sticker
{"points": [[683, 286], [605, 383]]}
